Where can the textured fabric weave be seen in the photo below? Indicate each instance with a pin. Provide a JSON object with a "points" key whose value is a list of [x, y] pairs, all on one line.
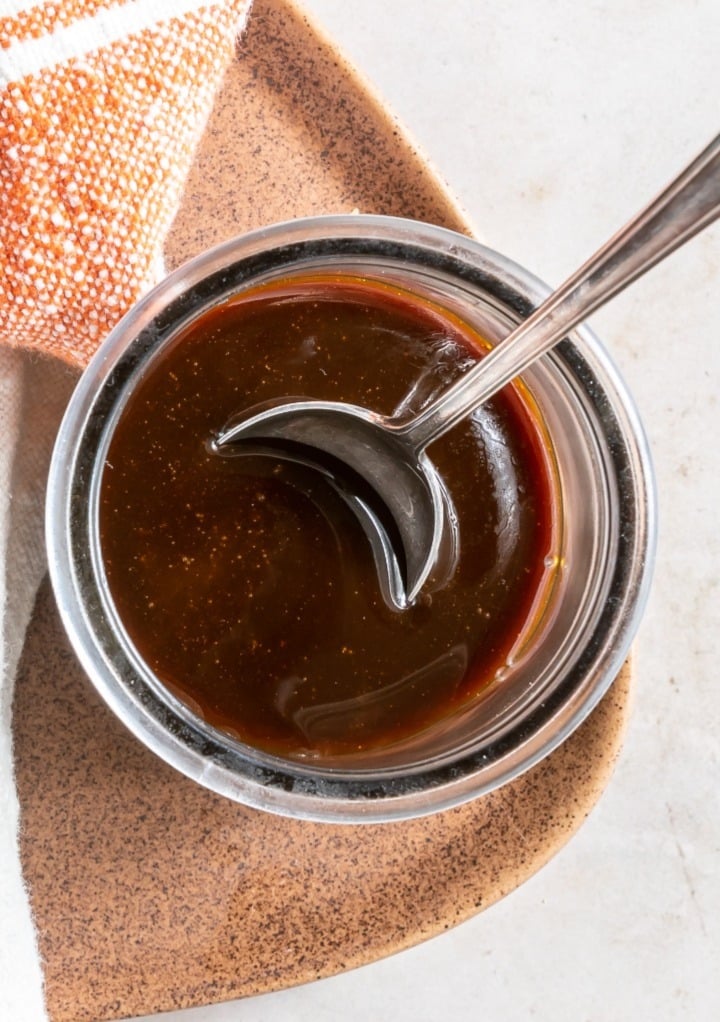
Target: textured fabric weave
{"points": [[101, 104]]}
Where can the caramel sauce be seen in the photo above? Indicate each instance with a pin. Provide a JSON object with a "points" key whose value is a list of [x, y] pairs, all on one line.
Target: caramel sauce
{"points": [[247, 584]]}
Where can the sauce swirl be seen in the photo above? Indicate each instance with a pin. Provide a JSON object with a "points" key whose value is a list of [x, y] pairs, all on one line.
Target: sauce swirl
{"points": [[247, 585]]}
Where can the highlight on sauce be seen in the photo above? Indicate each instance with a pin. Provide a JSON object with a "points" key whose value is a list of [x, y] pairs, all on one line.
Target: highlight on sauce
{"points": [[248, 586]]}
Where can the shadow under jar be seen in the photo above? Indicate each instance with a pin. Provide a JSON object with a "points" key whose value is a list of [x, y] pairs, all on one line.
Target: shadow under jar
{"points": [[228, 609]]}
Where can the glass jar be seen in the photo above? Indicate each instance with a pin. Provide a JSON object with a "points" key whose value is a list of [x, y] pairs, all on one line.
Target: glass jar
{"points": [[606, 505]]}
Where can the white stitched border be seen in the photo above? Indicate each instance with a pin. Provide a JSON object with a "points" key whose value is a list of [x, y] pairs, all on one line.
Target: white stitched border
{"points": [[11, 8], [70, 42]]}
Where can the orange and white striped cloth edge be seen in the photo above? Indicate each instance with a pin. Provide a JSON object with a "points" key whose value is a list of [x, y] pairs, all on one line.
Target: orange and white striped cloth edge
{"points": [[101, 105]]}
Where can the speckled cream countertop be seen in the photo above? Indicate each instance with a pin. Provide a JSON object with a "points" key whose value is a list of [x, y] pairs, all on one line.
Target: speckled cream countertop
{"points": [[552, 123]]}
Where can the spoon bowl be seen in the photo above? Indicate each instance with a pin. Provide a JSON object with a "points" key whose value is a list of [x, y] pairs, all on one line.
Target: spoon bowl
{"points": [[394, 490]]}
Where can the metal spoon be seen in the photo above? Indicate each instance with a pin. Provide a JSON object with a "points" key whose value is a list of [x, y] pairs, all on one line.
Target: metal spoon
{"points": [[413, 517]]}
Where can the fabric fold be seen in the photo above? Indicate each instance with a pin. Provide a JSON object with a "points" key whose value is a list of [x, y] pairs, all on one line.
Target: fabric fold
{"points": [[33, 396]]}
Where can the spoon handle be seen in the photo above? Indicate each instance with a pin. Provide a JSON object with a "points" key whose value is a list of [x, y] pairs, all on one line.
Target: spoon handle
{"points": [[689, 203]]}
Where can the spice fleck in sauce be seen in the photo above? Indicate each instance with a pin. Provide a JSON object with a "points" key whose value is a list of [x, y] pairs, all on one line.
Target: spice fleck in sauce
{"points": [[247, 584]]}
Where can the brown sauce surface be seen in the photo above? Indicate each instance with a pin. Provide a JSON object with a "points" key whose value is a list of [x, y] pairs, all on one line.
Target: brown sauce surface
{"points": [[247, 584]]}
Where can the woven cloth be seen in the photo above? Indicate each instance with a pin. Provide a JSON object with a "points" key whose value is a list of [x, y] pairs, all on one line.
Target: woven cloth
{"points": [[101, 105]]}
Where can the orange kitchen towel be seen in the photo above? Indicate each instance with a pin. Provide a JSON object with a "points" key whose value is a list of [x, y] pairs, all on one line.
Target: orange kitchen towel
{"points": [[101, 105]]}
